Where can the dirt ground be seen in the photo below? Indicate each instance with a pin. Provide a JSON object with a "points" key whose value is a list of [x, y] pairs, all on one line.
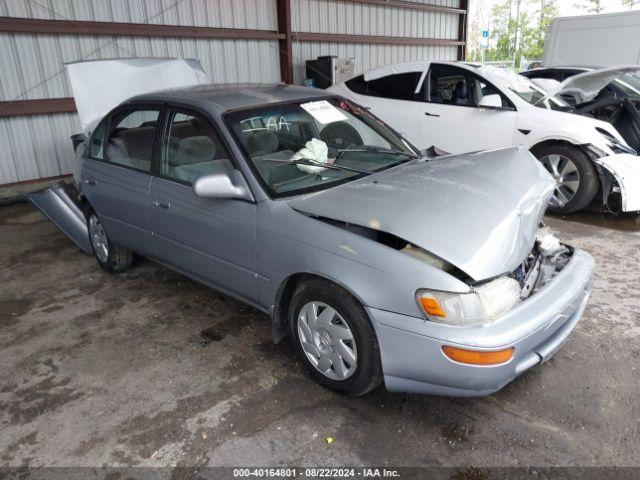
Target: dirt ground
{"points": [[100, 369]]}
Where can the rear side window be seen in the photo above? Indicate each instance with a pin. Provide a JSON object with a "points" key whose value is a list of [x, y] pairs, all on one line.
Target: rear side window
{"points": [[400, 86], [132, 139], [192, 148]]}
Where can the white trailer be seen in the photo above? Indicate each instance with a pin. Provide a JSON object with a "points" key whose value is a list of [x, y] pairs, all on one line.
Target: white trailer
{"points": [[594, 40]]}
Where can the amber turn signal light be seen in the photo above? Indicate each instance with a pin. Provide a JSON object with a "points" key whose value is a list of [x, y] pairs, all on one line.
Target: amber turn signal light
{"points": [[432, 307], [478, 357]]}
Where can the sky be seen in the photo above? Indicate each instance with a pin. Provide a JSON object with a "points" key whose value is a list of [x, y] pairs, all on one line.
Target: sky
{"points": [[566, 7]]}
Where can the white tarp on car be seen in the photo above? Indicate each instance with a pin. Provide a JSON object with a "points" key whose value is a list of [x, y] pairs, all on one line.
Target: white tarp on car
{"points": [[100, 85]]}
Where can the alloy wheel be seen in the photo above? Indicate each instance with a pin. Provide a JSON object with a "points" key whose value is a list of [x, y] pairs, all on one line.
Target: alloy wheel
{"points": [[566, 176], [327, 340], [98, 239]]}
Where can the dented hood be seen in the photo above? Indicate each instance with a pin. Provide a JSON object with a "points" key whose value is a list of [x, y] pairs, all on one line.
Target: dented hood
{"points": [[586, 86], [101, 85], [479, 211]]}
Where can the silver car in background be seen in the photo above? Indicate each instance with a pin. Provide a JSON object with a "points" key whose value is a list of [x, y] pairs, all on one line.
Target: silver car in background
{"points": [[431, 275]]}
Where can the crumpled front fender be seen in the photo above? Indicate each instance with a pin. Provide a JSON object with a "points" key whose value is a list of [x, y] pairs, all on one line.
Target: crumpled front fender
{"points": [[625, 168], [60, 205]]}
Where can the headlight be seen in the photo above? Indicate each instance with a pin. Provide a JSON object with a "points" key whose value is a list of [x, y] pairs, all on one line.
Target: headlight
{"points": [[614, 143], [484, 304]]}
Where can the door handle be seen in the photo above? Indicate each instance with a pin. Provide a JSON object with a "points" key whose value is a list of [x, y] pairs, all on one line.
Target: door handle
{"points": [[161, 204], [89, 181], [431, 114]]}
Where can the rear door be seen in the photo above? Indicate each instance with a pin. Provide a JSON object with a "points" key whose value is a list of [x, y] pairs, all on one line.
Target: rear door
{"points": [[451, 118], [210, 239], [116, 175]]}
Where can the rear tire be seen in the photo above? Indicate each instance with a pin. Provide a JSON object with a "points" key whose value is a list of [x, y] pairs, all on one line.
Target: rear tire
{"points": [[340, 350], [576, 177], [112, 258]]}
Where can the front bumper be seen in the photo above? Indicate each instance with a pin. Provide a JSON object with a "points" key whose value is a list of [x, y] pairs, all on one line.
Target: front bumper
{"points": [[411, 348], [625, 169]]}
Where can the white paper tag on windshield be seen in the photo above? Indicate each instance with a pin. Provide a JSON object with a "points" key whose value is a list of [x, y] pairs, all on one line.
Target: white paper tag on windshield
{"points": [[324, 112]]}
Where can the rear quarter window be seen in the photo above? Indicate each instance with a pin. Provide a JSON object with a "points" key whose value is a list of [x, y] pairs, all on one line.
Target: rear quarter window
{"points": [[400, 86], [96, 142]]}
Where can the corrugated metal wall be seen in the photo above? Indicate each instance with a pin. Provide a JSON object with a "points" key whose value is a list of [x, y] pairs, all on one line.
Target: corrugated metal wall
{"points": [[31, 66], [38, 146], [330, 16]]}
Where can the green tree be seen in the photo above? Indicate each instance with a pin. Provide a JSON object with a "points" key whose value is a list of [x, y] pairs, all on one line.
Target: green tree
{"points": [[502, 32], [533, 38], [630, 3], [519, 28]]}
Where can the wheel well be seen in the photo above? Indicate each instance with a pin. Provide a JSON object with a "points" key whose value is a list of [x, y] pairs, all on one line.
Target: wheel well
{"points": [[546, 143], [84, 203], [285, 292]]}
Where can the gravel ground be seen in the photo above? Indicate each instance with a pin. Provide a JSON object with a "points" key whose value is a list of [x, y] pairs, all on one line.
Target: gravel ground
{"points": [[102, 369]]}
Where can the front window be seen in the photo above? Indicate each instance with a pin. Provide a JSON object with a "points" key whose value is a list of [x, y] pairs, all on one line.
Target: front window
{"points": [[298, 147], [450, 85], [192, 148]]}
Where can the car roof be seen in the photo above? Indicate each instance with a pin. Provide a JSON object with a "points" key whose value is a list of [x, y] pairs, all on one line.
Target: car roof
{"points": [[405, 67], [223, 97]]}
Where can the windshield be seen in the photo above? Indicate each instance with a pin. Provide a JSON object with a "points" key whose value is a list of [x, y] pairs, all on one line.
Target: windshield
{"points": [[298, 147], [521, 86]]}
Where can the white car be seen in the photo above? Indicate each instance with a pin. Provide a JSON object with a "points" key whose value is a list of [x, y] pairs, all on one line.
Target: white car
{"points": [[461, 107]]}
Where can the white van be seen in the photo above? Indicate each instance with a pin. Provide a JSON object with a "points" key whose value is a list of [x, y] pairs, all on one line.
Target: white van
{"points": [[594, 40]]}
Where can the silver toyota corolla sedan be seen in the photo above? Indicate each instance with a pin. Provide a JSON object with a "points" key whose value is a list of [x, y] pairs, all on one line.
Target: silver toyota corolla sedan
{"points": [[431, 275]]}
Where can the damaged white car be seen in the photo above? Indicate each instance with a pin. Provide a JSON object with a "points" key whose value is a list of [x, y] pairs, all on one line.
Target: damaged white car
{"points": [[461, 107], [430, 275]]}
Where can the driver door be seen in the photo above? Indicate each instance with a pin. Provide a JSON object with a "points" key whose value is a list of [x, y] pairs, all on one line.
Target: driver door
{"points": [[212, 240], [451, 118]]}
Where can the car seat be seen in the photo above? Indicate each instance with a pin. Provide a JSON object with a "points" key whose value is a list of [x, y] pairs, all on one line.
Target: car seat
{"points": [[461, 94]]}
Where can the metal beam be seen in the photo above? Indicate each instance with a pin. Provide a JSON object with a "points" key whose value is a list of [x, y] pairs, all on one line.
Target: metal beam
{"points": [[371, 39], [411, 5], [463, 25], [286, 43], [65, 27], [42, 106], [36, 180]]}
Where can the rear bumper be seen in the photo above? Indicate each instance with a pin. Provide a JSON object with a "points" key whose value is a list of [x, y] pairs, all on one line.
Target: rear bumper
{"points": [[411, 348]]}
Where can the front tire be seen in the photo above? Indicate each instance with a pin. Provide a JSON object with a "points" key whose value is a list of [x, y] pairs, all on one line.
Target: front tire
{"points": [[112, 258], [335, 339], [575, 175]]}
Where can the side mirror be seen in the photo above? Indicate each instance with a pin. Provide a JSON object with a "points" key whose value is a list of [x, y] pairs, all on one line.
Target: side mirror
{"points": [[220, 185], [490, 101]]}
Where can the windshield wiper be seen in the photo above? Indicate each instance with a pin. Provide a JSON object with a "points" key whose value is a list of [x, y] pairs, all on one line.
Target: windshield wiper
{"points": [[376, 150], [315, 164]]}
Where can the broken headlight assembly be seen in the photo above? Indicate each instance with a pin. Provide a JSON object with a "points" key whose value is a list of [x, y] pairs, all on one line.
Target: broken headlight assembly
{"points": [[484, 304], [487, 302], [615, 144]]}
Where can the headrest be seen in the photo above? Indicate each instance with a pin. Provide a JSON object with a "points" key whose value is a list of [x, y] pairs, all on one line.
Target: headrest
{"points": [[261, 142], [461, 90], [195, 150]]}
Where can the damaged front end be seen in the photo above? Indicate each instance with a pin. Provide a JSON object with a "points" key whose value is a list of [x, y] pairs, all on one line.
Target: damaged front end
{"points": [[545, 261], [60, 204], [619, 175], [488, 301]]}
